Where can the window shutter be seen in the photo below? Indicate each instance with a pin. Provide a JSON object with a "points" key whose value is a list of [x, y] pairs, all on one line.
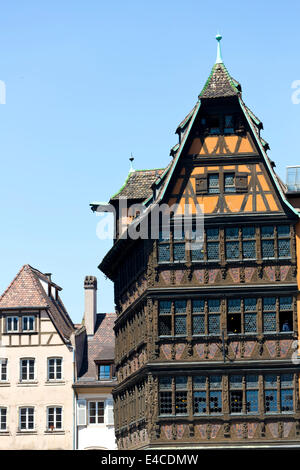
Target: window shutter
{"points": [[81, 412], [110, 412], [201, 184], [241, 182]]}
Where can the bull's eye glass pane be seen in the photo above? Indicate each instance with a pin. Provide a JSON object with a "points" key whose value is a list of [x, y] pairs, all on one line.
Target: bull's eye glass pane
{"points": [[200, 406], [180, 402], [179, 251], [180, 306], [249, 249], [164, 306], [164, 252], [212, 234], [270, 401], [236, 401], [229, 185], [267, 248], [267, 231], [197, 254], [165, 402], [165, 383], [212, 250], [284, 248], [213, 305], [234, 305], [252, 401], [250, 322], [269, 320], [231, 233], [213, 183], [215, 401], [283, 230], [250, 304], [248, 232], [285, 303], [198, 325], [198, 306], [232, 250], [199, 381], [286, 400], [269, 303], [214, 324], [180, 325]]}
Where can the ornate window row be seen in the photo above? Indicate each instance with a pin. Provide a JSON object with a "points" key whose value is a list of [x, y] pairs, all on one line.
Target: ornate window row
{"points": [[240, 243], [130, 333], [205, 394], [241, 315], [131, 267], [130, 405]]}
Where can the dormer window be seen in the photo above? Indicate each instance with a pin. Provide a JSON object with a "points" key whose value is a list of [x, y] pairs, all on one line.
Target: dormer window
{"points": [[213, 125], [228, 124], [106, 371]]}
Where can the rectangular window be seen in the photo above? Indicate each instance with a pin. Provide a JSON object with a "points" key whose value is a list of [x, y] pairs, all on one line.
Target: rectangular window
{"points": [[198, 317], [234, 321], [12, 324], [215, 394], [286, 393], [165, 395], [104, 372], [95, 412], [3, 370], [232, 245], [286, 313], [26, 419], [271, 403], [228, 124], [214, 316], [213, 184], [284, 242], [269, 314], [164, 246], [252, 394], [229, 183], [213, 123], [236, 394], [180, 395], [248, 242], [180, 317], [250, 315], [199, 395], [28, 323], [165, 318], [267, 241], [54, 418], [3, 419], [55, 368], [27, 367], [212, 244]]}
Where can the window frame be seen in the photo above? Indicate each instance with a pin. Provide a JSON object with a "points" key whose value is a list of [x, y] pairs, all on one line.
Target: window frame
{"points": [[54, 428], [28, 372], [27, 428], [55, 366], [96, 402]]}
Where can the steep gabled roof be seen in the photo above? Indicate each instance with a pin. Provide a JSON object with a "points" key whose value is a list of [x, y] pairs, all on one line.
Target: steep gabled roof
{"points": [[138, 184], [220, 84], [100, 347], [27, 291]]}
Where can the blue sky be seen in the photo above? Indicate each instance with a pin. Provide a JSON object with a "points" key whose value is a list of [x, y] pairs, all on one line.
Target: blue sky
{"points": [[87, 83]]}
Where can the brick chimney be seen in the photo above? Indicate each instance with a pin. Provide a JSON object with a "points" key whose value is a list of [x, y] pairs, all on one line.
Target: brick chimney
{"points": [[90, 304]]}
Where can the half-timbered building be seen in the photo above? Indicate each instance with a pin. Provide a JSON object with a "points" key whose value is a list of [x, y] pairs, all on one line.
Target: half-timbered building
{"points": [[205, 331]]}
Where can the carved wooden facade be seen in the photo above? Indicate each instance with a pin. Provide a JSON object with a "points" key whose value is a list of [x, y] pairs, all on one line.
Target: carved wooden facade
{"points": [[205, 337]]}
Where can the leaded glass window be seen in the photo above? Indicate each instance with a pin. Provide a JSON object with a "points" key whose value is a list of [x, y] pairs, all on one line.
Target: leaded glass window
{"points": [[165, 395], [213, 183], [228, 124], [165, 318], [179, 251], [180, 395], [250, 315], [267, 242], [249, 243], [229, 183], [213, 316], [236, 394], [269, 314], [215, 394], [198, 317], [164, 252], [286, 393], [234, 315], [180, 317], [212, 243], [232, 245], [200, 406]]}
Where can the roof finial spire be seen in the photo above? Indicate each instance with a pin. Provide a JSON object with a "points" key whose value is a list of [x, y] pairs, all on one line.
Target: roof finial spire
{"points": [[131, 160], [219, 59]]}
